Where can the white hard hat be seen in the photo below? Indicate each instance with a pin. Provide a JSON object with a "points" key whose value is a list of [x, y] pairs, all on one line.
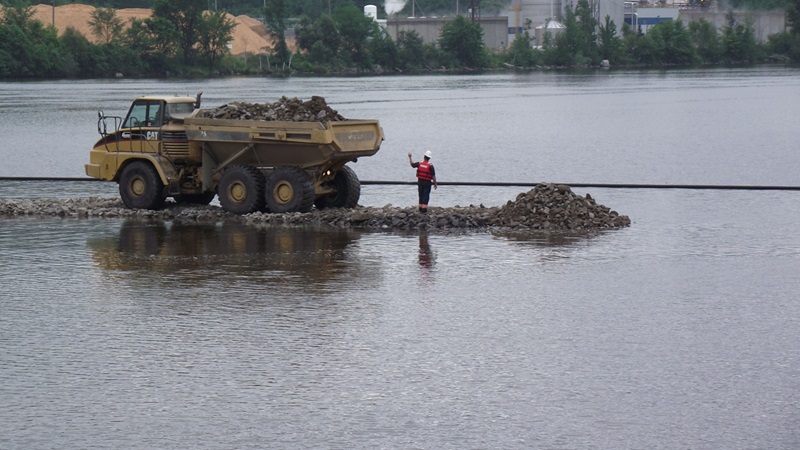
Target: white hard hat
{"points": [[428, 154]]}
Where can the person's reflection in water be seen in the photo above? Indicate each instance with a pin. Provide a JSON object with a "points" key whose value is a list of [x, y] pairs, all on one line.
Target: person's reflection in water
{"points": [[427, 259]]}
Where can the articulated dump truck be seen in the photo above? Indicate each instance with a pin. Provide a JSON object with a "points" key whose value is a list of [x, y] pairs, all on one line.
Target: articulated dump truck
{"points": [[169, 147]]}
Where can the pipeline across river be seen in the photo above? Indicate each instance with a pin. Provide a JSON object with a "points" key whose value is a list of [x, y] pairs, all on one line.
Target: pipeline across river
{"points": [[720, 187]]}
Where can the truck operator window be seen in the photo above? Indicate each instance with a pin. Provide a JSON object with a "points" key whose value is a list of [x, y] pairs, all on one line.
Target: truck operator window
{"points": [[144, 113]]}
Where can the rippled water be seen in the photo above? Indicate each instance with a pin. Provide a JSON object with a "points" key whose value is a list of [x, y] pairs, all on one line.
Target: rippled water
{"points": [[681, 331]]}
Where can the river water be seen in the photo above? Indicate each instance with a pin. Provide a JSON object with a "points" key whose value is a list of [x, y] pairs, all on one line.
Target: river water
{"points": [[682, 331]]}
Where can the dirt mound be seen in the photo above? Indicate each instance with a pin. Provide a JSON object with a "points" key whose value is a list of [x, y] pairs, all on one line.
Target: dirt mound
{"points": [[551, 207], [285, 109], [248, 37]]}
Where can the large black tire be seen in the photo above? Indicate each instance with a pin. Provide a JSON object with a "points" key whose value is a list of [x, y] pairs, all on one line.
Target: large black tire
{"points": [[348, 191], [289, 189], [241, 190], [196, 199], [140, 186]]}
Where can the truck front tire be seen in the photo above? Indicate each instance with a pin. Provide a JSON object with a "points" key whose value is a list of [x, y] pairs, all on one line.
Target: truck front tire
{"points": [[348, 191], [140, 186], [289, 189], [241, 190]]}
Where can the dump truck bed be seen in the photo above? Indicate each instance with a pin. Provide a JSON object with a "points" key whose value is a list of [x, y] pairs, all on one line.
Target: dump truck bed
{"points": [[276, 143]]}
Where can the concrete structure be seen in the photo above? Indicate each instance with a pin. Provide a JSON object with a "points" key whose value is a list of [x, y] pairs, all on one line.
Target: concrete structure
{"points": [[765, 23], [547, 15], [646, 18], [495, 29]]}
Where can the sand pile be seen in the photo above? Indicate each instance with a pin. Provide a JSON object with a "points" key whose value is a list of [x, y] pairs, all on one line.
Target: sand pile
{"points": [[249, 35], [285, 109]]}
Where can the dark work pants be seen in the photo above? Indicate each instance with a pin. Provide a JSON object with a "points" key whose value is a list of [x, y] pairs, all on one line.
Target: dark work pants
{"points": [[424, 188]]}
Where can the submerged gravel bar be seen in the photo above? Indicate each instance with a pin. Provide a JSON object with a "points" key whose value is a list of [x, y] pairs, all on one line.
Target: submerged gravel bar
{"points": [[545, 208]]}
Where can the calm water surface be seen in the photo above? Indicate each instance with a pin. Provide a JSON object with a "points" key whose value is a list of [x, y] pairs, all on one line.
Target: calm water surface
{"points": [[681, 331], [727, 126]]}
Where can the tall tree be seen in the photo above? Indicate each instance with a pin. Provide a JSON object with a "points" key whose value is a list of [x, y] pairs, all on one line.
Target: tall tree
{"points": [[464, 40], [610, 44], [319, 38], [105, 25], [214, 35], [739, 41], [186, 16], [355, 30], [705, 39], [18, 13], [154, 39], [275, 14]]}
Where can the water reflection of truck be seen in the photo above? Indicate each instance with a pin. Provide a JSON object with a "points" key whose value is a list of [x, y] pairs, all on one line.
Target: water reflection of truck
{"points": [[162, 148], [202, 250]]}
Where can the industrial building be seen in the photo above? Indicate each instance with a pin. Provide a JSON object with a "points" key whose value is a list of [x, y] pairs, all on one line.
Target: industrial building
{"points": [[545, 16]]}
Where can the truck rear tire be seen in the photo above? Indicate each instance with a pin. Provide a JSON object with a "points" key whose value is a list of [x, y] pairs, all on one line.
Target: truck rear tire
{"points": [[140, 186], [241, 190], [348, 191], [289, 189]]}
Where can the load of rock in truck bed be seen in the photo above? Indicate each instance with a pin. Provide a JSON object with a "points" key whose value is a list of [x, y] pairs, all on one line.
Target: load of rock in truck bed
{"points": [[286, 110]]}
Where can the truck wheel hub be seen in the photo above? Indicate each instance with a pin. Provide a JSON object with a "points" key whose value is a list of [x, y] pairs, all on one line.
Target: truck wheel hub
{"points": [[138, 187], [238, 192], [284, 192]]}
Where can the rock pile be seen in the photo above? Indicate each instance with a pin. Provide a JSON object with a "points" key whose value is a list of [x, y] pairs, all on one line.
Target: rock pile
{"points": [[545, 208], [550, 207], [285, 109]]}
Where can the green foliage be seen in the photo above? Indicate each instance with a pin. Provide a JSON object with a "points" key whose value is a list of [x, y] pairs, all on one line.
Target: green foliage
{"points": [[355, 29], [463, 40], [577, 44], [610, 45], [186, 17], [706, 42], [320, 39], [672, 43], [521, 53], [105, 25], [739, 41], [28, 48], [383, 50], [335, 36], [214, 34], [275, 15], [18, 13], [155, 39], [411, 51]]}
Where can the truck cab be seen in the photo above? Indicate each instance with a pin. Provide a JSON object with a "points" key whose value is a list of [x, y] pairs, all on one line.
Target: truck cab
{"points": [[153, 126]]}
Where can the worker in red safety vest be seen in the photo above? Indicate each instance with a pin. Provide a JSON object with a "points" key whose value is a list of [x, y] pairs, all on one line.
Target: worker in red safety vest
{"points": [[426, 175]]}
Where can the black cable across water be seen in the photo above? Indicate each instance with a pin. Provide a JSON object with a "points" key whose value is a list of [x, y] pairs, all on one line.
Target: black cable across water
{"points": [[729, 187]]}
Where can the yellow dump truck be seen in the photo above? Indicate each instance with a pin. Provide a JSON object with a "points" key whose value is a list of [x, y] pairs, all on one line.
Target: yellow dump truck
{"points": [[165, 147]]}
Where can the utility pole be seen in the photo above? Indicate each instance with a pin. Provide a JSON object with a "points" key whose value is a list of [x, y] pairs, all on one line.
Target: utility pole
{"points": [[54, 13]]}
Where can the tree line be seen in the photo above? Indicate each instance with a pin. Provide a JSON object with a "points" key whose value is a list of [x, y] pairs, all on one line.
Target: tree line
{"points": [[183, 37]]}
